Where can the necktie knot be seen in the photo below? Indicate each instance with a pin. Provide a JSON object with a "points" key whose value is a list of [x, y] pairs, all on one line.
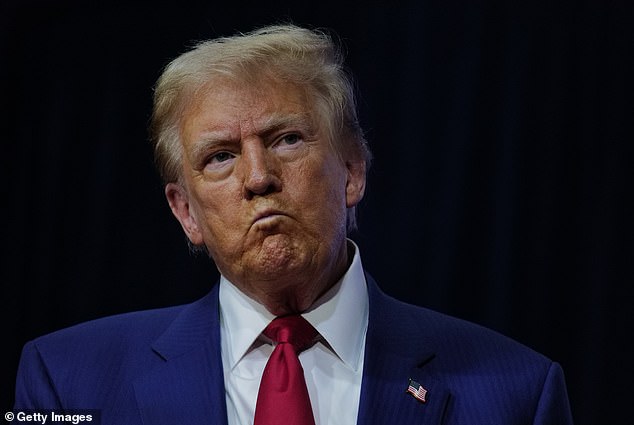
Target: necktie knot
{"points": [[294, 330]]}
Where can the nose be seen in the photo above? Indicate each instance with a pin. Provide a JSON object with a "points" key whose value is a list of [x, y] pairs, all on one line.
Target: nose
{"points": [[260, 174]]}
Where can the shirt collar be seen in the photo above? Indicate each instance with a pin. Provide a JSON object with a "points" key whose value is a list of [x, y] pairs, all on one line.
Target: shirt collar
{"points": [[243, 319]]}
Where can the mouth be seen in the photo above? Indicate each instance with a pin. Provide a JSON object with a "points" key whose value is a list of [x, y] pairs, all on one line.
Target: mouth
{"points": [[266, 216]]}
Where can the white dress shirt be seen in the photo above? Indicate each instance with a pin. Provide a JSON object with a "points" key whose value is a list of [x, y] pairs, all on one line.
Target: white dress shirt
{"points": [[333, 367]]}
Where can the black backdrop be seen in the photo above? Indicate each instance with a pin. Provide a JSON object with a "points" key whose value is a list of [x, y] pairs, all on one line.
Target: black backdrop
{"points": [[499, 192]]}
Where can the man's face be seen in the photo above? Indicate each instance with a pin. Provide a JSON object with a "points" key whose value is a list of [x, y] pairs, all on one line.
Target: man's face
{"points": [[264, 190]]}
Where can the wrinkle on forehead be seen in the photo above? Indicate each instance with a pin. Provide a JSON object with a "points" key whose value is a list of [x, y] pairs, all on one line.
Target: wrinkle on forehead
{"points": [[253, 109]]}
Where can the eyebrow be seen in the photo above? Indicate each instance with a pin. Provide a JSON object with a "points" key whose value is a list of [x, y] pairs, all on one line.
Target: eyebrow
{"points": [[273, 123], [302, 121], [208, 140]]}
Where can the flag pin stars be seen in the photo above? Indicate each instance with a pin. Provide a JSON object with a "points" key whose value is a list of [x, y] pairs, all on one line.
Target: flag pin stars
{"points": [[416, 390]]}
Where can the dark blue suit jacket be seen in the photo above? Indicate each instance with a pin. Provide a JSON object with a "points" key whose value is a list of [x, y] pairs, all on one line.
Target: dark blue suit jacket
{"points": [[163, 367]]}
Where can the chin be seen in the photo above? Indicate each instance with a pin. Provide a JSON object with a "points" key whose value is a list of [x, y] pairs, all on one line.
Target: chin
{"points": [[279, 251]]}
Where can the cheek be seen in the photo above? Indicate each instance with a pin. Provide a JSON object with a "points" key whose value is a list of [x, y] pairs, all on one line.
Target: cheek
{"points": [[218, 208], [334, 177], [323, 193]]}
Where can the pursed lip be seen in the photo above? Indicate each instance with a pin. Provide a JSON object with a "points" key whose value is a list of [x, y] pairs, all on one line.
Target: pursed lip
{"points": [[269, 212]]}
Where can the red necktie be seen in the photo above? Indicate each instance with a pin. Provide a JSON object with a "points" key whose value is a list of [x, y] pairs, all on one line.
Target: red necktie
{"points": [[283, 396]]}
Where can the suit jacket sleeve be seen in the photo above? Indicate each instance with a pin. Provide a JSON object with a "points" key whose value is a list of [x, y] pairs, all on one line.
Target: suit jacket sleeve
{"points": [[553, 407], [34, 389]]}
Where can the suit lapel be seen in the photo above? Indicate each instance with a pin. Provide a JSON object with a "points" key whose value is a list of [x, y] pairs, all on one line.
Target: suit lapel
{"points": [[395, 352], [187, 386]]}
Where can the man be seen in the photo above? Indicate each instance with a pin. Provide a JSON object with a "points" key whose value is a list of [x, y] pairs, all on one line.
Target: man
{"points": [[257, 139]]}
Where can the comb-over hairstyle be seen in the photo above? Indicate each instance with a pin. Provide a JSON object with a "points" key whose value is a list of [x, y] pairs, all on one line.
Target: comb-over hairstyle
{"points": [[307, 58]]}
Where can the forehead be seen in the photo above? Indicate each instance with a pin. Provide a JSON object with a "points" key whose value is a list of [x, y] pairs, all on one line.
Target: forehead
{"points": [[224, 102]]}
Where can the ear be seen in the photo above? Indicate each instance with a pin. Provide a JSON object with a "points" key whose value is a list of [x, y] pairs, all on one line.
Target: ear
{"points": [[178, 199], [355, 185]]}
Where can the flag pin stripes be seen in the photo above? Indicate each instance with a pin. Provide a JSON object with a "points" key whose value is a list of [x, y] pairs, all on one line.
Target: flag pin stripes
{"points": [[417, 391]]}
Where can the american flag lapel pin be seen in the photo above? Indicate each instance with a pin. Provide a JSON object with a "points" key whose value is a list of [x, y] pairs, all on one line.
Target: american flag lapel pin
{"points": [[417, 391]]}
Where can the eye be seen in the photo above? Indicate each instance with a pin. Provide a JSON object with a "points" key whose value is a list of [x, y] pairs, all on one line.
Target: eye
{"points": [[220, 157], [290, 139]]}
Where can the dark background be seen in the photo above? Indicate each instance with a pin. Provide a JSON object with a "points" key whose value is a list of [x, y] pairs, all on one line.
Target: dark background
{"points": [[502, 133]]}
